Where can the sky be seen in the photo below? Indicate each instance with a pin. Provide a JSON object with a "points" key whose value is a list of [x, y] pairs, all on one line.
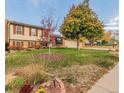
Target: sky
{"points": [[33, 11]]}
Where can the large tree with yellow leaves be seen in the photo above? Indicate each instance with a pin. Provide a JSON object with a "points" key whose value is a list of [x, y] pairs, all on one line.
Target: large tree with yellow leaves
{"points": [[107, 37], [81, 21]]}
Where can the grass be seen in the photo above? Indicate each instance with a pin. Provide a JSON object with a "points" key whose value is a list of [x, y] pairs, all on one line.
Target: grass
{"points": [[102, 46], [70, 65], [70, 79], [71, 57], [38, 78], [15, 84]]}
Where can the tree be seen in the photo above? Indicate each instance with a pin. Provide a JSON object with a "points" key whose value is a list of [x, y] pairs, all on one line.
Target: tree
{"points": [[86, 2], [106, 37], [82, 39], [48, 24], [81, 21]]}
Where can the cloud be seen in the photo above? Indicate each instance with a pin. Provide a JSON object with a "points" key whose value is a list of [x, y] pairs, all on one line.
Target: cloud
{"points": [[111, 28], [115, 19], [112, 24], [44, 2], [35, 2]]}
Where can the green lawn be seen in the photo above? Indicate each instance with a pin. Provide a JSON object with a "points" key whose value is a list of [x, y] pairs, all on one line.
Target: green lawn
{"points": [[69, 57]]}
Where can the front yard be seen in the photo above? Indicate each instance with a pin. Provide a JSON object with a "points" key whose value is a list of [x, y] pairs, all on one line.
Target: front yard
{"points": [[78, 70]]}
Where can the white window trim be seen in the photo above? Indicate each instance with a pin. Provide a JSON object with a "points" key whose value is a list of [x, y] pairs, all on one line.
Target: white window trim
{"points": [[20, 32], [33, 31]]}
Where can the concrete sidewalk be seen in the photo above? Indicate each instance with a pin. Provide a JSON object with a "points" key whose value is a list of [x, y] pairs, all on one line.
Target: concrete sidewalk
{"points": [[109, 83]]}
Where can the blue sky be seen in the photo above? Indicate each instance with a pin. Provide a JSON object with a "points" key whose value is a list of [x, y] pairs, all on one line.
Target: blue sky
{"points": [[32, 11]]}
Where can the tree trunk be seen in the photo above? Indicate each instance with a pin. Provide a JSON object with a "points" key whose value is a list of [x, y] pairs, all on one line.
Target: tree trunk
{"points": [[78, 45]]}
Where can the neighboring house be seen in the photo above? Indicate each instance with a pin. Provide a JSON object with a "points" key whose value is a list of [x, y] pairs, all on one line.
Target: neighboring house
{"points": [[71, 43], [57, 41], [23, 35], [115, 35]]}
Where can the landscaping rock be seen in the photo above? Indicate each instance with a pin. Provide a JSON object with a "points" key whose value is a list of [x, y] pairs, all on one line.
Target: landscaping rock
{"points": [[54, 86]]}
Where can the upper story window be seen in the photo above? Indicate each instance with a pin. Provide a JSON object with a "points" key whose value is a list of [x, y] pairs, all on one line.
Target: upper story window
{"points": [[33, 32], [18, 29]]}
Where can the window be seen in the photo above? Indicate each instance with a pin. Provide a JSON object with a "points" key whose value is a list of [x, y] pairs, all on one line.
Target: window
{"points": [[33, 32], [31, 44], [18, 29], [18, 44]]}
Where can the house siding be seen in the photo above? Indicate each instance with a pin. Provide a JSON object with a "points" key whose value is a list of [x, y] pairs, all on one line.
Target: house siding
{"points": [[25, 34], [71, 43]]}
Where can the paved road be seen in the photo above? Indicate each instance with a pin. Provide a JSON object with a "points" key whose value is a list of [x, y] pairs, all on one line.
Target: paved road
{"points": [[109, 83]]}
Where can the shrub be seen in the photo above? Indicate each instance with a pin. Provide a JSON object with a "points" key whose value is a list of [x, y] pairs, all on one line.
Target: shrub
{"points": [[16, 48], [28, 49], [38, 78], [15, 84], [37, 47], [26, 88], [12, 47]]}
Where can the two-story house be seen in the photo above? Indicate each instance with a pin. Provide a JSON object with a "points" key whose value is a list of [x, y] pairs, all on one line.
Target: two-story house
{"points": [[25, 35]]}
